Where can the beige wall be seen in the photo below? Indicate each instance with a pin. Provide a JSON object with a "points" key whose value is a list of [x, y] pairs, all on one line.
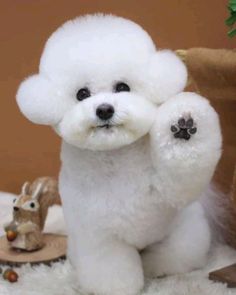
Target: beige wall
{"points": [[27, 150]]}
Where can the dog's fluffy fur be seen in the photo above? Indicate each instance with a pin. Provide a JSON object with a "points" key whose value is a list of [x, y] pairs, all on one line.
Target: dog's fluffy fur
{"points": [[129, 191]]}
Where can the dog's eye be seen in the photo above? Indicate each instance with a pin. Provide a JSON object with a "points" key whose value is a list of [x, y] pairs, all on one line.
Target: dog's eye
{"points": [[119, 87], [83, 93]]}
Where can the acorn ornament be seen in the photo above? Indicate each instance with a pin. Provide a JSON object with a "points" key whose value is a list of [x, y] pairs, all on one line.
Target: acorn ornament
{"points": [[11, 235], [10, 275]]}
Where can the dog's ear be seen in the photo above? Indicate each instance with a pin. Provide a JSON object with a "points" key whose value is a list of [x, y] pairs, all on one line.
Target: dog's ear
{"points": [[167, 75], [39, 101]]}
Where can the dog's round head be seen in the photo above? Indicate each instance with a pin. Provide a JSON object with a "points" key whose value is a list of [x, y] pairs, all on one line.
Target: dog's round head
{"points": [[100, 81]]}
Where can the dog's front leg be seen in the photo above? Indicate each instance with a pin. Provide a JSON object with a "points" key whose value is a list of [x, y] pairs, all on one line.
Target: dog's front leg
{"points": [[108, 266], [186, 146]]}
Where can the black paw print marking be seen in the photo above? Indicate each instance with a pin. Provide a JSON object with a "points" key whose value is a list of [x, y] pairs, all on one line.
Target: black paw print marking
{"points": [[184, 128]]}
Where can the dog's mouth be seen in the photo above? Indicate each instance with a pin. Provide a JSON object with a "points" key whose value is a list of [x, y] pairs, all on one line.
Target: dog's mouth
{"points": [[109, 125], [106, 126]]}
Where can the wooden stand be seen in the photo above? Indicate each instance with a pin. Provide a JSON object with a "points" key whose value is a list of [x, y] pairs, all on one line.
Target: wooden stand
{"points": [[53, 250], [226, 275]]}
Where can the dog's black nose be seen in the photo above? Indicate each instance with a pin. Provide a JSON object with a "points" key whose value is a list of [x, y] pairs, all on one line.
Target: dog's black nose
{"points": [[105, 111], [15, 208]]}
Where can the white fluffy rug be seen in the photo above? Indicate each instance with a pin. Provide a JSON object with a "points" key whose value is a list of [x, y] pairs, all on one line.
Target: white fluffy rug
{"points": [[60, 278]]}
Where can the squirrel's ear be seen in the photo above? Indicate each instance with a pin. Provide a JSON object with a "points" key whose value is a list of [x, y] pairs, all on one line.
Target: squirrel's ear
{"points": [[25, 188], [39, 101], [167, 75], [37, 191]]}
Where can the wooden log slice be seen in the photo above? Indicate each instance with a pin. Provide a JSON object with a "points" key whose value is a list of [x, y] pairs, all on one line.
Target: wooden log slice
{"points": [[54, 249]]}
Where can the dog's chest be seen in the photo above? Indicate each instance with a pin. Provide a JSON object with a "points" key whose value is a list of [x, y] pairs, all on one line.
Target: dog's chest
{"points": [[114, 190], [113, 175]]}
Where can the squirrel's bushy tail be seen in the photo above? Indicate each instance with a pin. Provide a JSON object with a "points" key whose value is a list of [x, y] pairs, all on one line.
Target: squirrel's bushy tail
{"points": [[49, 196]]}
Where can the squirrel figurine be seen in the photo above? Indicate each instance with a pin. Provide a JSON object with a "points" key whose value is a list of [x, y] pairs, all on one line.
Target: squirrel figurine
{"points": [[30, 210]]}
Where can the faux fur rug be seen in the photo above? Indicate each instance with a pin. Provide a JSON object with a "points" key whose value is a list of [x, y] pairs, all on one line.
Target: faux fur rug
{"points": [[59, 279]]}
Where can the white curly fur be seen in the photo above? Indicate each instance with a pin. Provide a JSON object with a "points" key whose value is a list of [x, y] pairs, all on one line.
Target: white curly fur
{"points": [[130, 191]]}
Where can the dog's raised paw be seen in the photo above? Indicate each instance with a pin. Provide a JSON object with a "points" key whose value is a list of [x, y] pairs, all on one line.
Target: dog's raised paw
{"points": [[184, 128]]}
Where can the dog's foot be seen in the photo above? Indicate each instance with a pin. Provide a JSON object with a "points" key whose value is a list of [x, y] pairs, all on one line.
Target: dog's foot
{"points": [[114, 270], [184, 128], [186, 143]]}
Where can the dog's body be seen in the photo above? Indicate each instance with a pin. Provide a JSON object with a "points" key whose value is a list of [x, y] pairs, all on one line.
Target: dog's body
{"points": [[124, 202], [137, 152], [118, 189]]}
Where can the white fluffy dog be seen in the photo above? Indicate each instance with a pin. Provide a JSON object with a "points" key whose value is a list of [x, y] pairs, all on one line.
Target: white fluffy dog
{"points": [[137, 152]]}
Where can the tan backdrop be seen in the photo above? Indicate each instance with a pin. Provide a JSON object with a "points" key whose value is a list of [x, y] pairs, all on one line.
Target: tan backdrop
{"points": [[27, 150]]}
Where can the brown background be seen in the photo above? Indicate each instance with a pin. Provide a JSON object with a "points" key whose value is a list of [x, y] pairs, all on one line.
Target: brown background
{"points": [[27, 150]]}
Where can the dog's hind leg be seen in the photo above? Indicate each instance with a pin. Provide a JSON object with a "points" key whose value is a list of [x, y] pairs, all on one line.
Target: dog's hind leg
{"points": [[184, 250]]}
